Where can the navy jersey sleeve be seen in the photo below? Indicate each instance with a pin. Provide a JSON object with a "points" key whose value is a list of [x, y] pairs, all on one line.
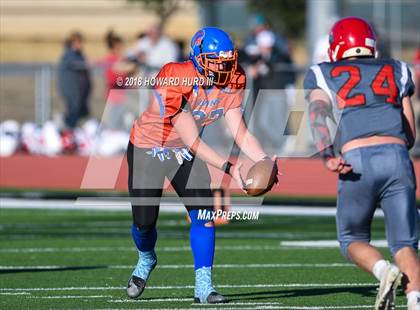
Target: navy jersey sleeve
{"points": [[309, 83], [405, 80], [314, 79], [410, 87]]}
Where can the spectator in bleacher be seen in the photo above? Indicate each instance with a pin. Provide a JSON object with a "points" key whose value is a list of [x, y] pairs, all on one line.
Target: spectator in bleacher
{"points": [[273, 88], [262, 24], [320, 52], [116, 69], [268, 53], [155, 49], [151, 52], [74, 80]]}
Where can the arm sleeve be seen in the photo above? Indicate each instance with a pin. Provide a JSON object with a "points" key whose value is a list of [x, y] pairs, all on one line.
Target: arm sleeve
{"points": [[319, 111]]}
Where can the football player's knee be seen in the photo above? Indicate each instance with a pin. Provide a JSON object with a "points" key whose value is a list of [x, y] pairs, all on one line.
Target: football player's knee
{"points": [[144, 221], [346, 242], [394, 247], [344, 245], [145, 228]]}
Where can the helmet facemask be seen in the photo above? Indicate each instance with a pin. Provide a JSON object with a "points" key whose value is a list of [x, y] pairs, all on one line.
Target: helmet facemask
{"points": [[219, 68]]}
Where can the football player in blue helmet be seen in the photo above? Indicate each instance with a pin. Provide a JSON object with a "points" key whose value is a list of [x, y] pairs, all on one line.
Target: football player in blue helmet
{"points": [[213, 55], [170, 125]]}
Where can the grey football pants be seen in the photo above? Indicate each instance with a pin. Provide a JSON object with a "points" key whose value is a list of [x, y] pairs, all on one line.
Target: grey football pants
{"points": [[384, 175]]}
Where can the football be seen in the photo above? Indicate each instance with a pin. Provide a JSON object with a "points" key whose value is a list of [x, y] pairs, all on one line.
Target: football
{"points": [[261, 177]]}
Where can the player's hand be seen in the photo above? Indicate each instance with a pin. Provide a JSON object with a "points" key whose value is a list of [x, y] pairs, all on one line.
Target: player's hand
{"points": [[274, 158], [235, 172], [338, 164]]}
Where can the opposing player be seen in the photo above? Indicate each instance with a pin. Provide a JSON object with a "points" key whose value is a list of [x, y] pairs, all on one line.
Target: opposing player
{"points": [[375, 131], [165, 142]]}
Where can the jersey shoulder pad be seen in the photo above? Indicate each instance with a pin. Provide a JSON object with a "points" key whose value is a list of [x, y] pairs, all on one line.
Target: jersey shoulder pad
{"points": [[309, 81], [315, 78], [178, 69], [238, 80]]}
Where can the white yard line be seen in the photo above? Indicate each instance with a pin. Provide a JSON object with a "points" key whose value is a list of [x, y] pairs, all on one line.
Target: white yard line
{"points": [[181, 287], [325, 243], [333, 265], [187, 266], [71, 297], [131, 249], [175, 207]]}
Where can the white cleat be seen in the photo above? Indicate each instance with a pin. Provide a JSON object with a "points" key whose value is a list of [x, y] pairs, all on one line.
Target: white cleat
{"points": [[385, 300], [414, 306]]}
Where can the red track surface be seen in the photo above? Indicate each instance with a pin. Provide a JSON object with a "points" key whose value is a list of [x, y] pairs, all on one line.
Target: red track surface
{"points": [[301, 177]]}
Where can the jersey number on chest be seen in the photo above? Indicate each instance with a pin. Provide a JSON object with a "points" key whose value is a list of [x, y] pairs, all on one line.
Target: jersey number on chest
{"points": [[382, 85], [201, 115]]}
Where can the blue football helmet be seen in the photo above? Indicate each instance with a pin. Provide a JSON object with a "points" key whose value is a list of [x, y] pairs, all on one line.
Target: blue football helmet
{"points": [[214, 55]]}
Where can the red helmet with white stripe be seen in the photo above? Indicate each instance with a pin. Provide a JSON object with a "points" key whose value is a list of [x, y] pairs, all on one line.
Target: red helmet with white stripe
{"points": [[350, 37]]}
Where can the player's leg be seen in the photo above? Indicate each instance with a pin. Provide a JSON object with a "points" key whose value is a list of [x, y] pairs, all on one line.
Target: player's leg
{"points": [[145, 180], [357, 196], [355, 208], [192, 182], [408, 261], [402, 224]]}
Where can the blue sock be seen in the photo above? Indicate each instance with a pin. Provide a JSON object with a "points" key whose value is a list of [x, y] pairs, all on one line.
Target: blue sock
{"points": [[202, 241], [145, 240]]}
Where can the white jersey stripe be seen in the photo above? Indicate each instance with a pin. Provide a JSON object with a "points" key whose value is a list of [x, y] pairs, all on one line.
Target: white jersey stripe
{"points": [[404, 77], [320, 80]]}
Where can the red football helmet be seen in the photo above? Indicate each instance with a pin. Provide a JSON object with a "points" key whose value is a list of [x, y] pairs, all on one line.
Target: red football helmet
{"points": [[350, 37]]}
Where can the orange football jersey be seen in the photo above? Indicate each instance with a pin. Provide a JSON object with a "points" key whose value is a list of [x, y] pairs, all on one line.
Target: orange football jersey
{"points": [[174, 91]]}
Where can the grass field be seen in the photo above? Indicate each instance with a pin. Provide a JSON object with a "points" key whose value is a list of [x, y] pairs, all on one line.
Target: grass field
{"points": [[82, 259]]}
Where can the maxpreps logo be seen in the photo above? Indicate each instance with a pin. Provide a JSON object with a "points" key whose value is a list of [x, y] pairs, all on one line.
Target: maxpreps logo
{"points": [[198, 38]]}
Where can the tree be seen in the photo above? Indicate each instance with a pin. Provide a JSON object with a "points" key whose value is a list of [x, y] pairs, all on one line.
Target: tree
{"points": [[286, 16], [162, 8]]}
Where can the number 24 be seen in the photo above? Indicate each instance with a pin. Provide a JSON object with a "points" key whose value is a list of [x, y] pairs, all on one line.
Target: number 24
{"points": [[385, 74]]}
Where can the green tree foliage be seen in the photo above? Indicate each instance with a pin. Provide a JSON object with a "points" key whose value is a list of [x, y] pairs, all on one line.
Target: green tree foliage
{"points": [[286, 16], [162, 8]]}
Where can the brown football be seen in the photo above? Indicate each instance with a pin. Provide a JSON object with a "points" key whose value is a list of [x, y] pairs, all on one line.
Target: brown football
{"points": [[261, 177]]}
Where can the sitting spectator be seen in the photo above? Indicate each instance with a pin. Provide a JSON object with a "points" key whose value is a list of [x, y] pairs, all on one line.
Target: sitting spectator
{"points": [[74, 80]]}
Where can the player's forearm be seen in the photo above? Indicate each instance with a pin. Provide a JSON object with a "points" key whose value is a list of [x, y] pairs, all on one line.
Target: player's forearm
{"points": [[186, 128], [243, 138], [318, 111], [206, 153], [250, 146]]}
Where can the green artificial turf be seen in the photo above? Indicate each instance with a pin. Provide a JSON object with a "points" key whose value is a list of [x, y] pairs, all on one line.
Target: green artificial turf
{"points": [[83, 259]]}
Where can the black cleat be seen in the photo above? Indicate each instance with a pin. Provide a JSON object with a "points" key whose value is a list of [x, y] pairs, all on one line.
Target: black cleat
{"points": [[135, 287], [213, 298]]}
